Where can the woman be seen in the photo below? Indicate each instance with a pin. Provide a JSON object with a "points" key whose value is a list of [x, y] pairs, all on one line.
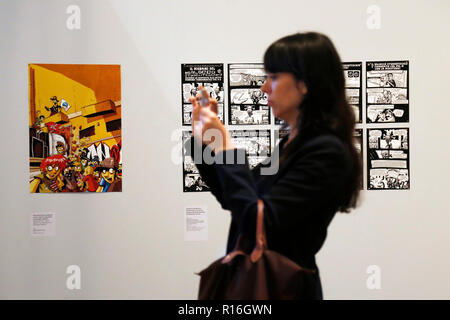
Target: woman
{"points": [[319, 169]]}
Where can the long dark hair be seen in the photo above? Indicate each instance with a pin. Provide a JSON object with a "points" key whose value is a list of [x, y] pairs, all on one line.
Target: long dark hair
{"points": [[312, 58]]}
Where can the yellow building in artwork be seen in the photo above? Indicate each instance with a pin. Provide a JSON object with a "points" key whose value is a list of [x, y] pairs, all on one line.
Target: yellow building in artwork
{"points": [[86, 101]]}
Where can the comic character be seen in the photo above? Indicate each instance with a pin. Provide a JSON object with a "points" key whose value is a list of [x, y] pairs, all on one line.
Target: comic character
{"points": [[381, 117], [108, 171], [385, 154], [249, 117], [55, 108], [187, 117], [77, 173], [70, 184], [390, 81], [194, 90], [39, 124], [389, 115], [382, 80], [388, 139], [60, 148], [89, 182], [386, 97], [84, 154], [392, 179], [256, 96], [94, 162], [96, 175], [84, 162], [84, 159], [377, 182], [72, 158], [119, 171], [403, 180], [385, 116], [50, 179], [189, 181]]}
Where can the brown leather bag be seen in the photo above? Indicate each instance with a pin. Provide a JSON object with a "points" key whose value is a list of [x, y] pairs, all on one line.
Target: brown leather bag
{"points": [[262, 275]]}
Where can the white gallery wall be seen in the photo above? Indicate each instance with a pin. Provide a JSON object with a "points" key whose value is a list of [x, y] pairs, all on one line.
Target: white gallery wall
{"points": [[131, 245]]}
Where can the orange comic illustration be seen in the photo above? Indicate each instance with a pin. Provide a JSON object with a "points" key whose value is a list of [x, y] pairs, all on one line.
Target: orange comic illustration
{"points": [[75, 128]]}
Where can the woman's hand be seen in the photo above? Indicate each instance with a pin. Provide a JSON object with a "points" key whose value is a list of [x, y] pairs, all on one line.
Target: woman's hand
{"points": [[206, 125]]}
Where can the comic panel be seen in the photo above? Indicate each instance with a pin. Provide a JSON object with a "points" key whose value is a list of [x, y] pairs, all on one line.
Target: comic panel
{"points": [[215, 90], [386, 179], [246, 75], [388, 158], [387, 113], [394, 77], [353, 85], [244, 88], [255, 142], [192, 181], [187, 113], [248, 96], [75, 128], [387, 91], [387, 96], [250, 114], [194, 76]]}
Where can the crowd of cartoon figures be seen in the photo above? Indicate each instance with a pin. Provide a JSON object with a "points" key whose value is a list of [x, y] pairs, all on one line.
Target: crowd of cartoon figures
{"points": [[77, 173]]}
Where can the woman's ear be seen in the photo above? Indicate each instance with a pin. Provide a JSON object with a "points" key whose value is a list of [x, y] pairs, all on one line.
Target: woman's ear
{"points": [[302, 87]]}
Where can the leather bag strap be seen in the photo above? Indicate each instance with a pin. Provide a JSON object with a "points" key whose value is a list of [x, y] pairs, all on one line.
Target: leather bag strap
{"points": [[261, 240]]}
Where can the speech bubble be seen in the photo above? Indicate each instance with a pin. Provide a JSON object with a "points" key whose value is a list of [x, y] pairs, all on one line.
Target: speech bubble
{"points": [[401, 132], [375, 133], [398, 113], [372, 115], [377, 172]]}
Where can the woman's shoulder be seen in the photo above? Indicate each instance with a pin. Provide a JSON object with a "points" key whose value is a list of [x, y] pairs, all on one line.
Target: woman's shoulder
{"points": [[324, 141], [324, 153], [326, 149]]}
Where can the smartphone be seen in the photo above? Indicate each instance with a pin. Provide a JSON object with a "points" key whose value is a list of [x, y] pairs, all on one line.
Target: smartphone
{"points": [[204, 100]]}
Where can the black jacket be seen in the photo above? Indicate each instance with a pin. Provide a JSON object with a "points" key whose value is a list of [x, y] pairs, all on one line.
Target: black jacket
{"points": [[300, 200]]}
